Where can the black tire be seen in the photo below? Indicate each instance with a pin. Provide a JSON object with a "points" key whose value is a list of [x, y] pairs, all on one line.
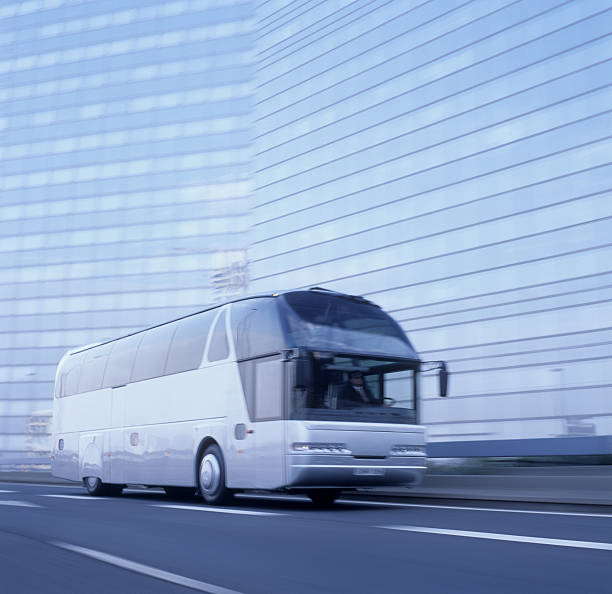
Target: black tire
{"points": [[211, 477], [323, 497], [97, 488], [180, 492]]}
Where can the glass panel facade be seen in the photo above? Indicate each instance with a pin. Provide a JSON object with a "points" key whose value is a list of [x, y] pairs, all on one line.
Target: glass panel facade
{"points": [[451, 162], [126, 178]]}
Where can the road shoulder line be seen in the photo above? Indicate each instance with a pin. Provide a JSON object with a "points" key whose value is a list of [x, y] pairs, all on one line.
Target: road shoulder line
{"points": [[579, 544], [147, 570]]}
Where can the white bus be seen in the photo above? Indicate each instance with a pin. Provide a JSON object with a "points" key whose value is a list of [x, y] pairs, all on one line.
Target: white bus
{"points": [[308, 391]]}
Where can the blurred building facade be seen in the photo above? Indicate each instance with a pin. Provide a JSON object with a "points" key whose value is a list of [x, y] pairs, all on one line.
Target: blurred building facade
{"points": [[450, 160], [125, 178]]}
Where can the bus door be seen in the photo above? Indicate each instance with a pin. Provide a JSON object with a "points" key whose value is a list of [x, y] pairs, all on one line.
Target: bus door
{"points": [[261, 438], [269, 426]]}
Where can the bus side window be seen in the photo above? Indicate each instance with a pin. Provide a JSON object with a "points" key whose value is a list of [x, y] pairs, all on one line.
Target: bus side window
{"points": [[153, 352], [219, 349], [73, 374], [94, 364], [121, 361], [187, 347]]}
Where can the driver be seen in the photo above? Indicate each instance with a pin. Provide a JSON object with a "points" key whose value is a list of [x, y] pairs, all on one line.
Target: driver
{"points": [[355, 391]]}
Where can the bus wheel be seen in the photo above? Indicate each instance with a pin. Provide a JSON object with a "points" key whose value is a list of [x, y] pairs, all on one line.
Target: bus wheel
{"points": [[211, 477], [323, 497], [97, 488]]}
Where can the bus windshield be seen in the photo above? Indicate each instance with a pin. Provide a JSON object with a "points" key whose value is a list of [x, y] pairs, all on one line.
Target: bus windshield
{"points": [[343, 324], [351, 388]]}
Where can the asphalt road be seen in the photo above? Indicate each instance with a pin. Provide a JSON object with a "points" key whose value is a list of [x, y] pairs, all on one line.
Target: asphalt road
{"points": [[58, 539]]}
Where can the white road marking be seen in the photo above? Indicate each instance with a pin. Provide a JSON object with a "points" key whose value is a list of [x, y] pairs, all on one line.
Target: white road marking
{"points": [[4, 491], [147, 570], [579, 544], [84, 497], [465, 508], [220, 510], [18, 503]]}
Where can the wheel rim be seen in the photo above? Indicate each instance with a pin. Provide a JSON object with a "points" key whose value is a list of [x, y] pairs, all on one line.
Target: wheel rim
{"points": [[91, 482], [210, 474]]}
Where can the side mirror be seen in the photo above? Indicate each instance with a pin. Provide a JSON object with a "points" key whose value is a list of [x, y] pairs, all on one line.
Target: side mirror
{"points": [[443, 377]]}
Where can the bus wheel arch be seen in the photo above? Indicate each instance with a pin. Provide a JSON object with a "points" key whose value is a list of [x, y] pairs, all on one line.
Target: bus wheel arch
{"points": [[211, 473]]}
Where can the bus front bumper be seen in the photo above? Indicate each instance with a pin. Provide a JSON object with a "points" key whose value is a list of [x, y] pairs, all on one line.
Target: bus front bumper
{"points": [[348, 472]]}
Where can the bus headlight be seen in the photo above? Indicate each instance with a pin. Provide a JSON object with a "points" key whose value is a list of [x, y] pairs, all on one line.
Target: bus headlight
{"points": [[407, 450], [321, 448]]}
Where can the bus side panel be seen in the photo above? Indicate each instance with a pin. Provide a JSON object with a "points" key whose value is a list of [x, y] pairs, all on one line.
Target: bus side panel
{"points": [[94, 455], [73, 416], [66, 460], [161, 415]]}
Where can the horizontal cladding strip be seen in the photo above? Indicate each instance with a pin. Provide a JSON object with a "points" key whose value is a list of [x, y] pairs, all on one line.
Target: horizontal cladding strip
{"points": [[267, 50], [180, 309], [453, 73], [404, 52], [580, 544], [454, 161], [437, 122], [265, 61], [190, 186], [490, 420], [124, 163], [461, 274], [526, 339], [506, 303], [512, 315], [524, 392], [445, 209], [521, 353], [264, 27], [147, 175], [138, 243], [67, 61], [440, 143], [238, 56], [443, 232], [444, 98], [150, 276], [566, 279], [553, 362], [444, 186], [104, 120]]}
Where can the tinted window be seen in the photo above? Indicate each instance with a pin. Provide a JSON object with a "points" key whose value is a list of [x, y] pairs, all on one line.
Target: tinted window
{"points": [[256, 328], [343, 324], [219, 349], [153, 352], [121, 361], [187, 348], [94, 365]]}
